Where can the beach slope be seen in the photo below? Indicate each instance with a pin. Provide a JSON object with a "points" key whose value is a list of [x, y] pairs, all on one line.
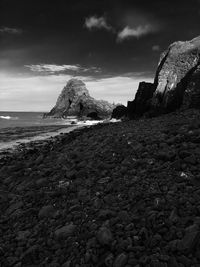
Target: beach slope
{"points": [[123, 194]]}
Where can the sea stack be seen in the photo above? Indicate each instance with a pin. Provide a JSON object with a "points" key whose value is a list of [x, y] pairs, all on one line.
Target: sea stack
{"points": [[75, 100], [176, 84]]}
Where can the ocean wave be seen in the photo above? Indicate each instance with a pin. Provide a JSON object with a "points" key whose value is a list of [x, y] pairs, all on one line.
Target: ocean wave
{"points": [[8, 118]]}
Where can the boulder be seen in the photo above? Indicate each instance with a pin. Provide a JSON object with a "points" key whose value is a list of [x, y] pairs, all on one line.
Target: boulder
{"points": [[177, 78], [75, 100], [47, 212], [65, 231], [119, 112], [104, 236]]}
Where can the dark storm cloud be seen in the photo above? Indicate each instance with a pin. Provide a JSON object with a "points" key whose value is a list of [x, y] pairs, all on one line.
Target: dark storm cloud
{"points": [[57, 27], [121, 38]]}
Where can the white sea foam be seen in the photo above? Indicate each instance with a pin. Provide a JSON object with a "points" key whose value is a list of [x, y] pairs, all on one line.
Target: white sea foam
{"points": [[8, 118]]}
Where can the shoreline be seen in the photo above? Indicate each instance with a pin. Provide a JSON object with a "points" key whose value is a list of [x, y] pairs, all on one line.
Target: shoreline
{"points": [[46, 133], [13, 144]]}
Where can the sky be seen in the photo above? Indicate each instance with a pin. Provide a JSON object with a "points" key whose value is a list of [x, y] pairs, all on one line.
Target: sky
{"points": [[111, 45]]}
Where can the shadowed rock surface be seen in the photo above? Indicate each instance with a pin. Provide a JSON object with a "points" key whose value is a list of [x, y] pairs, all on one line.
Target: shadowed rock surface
{"points": [[141, 103], [177, 69], [75, 100], [176, 83]]}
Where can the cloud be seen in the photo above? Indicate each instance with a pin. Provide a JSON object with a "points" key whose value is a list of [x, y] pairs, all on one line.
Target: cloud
{"points": [[136, 32], [95, 22], [52, 68], [8, 30], [118, 89], [155, 48], [39, 93]]}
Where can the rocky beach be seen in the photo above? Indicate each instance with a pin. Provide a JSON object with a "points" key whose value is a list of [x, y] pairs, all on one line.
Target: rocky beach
{"points": [[123, 194], [76, 189]]}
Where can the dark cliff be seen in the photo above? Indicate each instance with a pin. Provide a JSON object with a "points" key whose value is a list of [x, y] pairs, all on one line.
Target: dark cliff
{"points": [[176, 84]]}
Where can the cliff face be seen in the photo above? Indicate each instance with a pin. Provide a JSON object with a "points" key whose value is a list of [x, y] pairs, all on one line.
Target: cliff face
{"points": [[176, 71], [176, 83], [141, 103], [75, 100]]}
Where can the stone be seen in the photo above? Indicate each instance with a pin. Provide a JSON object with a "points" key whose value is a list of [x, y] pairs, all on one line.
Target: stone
{"points": [[191, 160], [185, 261], [155, 240], [14, 207], [190, 239], [124, 216], [109, 260], [41, 182], [104, 236], [119, 112], [67, 264], [21, 235], [106, 214], [30, 254], [173, 216], [11, 260], [156, 263], [47, 212], [65, 231], [83, 195], [75, 100], [173, 262], [120, 260]]}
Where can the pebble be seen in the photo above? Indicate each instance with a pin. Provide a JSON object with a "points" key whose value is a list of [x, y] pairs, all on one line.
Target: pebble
{"points": [[65, 231], [109, 260], [120, 260], [21, 235], [47, 212], [190, 239], [104, 236]]}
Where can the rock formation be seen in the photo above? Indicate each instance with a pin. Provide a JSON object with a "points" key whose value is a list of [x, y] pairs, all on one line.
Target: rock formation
{"points": [[176, 83], [75, 100], [119, 112], [176, 74], [141, 103]]}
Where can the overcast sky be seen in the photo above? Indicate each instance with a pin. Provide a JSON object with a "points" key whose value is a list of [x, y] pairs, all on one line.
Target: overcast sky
{"points": [[110, 45]]}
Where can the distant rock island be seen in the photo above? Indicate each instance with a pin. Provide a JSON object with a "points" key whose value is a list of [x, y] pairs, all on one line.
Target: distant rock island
{"points": [[75, 100], [176, 84]]}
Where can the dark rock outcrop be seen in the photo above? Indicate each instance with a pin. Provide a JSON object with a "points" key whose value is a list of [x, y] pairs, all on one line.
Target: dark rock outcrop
{"points": [[141, 103], [75, 100], [119, 112], [176, 83], [192, 93]]}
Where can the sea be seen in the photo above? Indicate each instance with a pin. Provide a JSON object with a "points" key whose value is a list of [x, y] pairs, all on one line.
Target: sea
{"points": [[22, 119], [11, 120]]}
